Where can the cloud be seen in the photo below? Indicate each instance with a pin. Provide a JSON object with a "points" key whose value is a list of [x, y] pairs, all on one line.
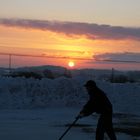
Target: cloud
{"points": [[90, 30], [126, 57]]}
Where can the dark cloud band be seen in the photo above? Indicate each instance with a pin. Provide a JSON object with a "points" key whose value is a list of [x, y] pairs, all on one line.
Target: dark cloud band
{"points": [[92, 31], [126, 57]]}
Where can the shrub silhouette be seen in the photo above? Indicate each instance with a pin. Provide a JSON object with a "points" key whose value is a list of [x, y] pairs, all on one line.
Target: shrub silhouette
{"points": [[27, 75]]}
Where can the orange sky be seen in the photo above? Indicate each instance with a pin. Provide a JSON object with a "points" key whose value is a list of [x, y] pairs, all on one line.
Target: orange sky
{"points": [[93, 33], [74, 47]]}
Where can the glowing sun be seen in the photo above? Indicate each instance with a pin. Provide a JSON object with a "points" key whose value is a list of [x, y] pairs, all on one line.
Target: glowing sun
{"points": [[71, 64]]}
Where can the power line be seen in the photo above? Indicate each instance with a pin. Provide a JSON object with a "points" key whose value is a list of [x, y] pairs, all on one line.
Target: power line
{"points": [[67, 57], [45, 56], [117, 61], [41, 56]]}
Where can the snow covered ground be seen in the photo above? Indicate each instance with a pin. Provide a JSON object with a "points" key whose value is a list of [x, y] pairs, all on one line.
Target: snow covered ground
{"points": [[42, 124], [22, 93], [43, 109]]}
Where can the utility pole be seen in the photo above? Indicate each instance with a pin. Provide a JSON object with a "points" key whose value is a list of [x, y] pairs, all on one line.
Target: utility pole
{"points": [[10, 63], [112, 75]]}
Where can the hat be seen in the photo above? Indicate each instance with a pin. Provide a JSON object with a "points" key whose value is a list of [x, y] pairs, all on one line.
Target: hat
{"points": [[90, 83]]}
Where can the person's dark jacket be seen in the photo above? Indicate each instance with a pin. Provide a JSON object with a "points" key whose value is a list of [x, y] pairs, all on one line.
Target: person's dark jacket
{"points": [[98, 103]]}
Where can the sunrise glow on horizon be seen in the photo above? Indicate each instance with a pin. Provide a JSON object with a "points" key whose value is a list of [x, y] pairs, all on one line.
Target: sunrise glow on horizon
{"points": [[71, 64], [57, 38]]}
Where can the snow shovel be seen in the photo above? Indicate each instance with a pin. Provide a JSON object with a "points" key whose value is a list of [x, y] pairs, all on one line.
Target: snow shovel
{"points": [[76, 119]]}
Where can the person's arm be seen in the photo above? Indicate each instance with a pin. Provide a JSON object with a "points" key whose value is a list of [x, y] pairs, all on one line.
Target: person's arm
{"points": [[87, 110]]}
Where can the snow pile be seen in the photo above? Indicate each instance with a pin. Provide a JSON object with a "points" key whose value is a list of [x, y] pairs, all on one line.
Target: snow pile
{"points": [[19, 93], [32, 93]]}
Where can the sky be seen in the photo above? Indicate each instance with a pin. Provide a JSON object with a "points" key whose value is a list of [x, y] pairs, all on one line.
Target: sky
{"points": [[91, 33]]}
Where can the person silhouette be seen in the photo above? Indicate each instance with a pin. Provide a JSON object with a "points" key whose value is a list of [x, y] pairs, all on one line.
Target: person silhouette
{"points": [[99, 103]]}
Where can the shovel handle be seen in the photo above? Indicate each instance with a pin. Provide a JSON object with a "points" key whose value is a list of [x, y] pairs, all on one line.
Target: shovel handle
{"points": [[77, 118]]}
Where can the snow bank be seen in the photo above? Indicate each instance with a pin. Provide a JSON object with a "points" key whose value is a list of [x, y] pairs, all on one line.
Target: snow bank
{"points": [[19, 93]]}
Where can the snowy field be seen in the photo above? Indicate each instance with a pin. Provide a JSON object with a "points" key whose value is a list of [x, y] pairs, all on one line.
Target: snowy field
{"points": [[42, 124], [43, 109]]}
